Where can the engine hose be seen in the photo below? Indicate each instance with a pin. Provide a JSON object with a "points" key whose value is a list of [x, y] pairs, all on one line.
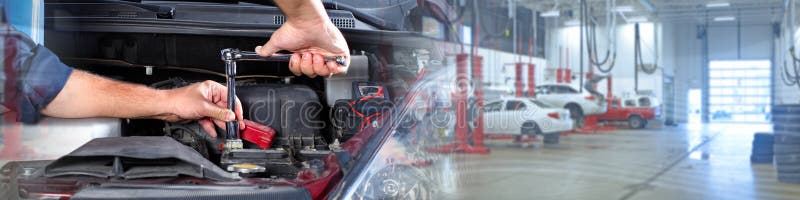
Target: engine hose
{"points": [[638, 58], [787, 78], [796, 79], [591, 40]]}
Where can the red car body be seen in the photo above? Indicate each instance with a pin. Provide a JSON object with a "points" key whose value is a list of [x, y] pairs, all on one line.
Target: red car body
{"points": [[616, 112]]}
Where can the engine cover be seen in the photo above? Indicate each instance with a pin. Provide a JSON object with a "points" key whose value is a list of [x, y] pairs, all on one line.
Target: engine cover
{"points": [[294, 111]]}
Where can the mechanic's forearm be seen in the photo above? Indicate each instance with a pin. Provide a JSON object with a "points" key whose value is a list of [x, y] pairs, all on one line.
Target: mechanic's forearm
{"points": [[302, 10], [88, 95]]}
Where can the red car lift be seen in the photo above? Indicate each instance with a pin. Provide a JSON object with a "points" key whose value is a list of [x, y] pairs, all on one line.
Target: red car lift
{"points": [[518, 85], [592, 124], [462, 145], [531, 80]]}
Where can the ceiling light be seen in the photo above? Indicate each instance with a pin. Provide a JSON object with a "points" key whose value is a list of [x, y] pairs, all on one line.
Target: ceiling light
{"points": [[573, 22], [724, 18], [552, 13], [717, 4], [624, 9], [638, 19]]}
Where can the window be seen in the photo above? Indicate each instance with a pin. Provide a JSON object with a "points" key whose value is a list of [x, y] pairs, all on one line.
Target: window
{"points": [[543, 90], [630, 103], [493, 107], [560, 89], [515, 105], [541, 104], [645, 102]]}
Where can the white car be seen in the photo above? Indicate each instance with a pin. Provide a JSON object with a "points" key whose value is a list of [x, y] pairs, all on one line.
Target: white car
{"points": [[565, 96], [525, 116]]}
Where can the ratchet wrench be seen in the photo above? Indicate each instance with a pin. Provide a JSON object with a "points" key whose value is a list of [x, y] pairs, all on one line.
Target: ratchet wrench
{"points": [[230, 57]]}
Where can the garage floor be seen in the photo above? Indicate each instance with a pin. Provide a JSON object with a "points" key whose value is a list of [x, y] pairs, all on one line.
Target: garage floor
{"points": [[687, 162]]}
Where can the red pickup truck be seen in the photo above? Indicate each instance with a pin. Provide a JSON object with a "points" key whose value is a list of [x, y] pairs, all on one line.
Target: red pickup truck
{"points": [[637, 117]]}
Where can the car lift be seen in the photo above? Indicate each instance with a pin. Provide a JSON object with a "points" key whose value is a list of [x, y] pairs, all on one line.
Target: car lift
{"points": [[592, 124], [462, 145], [519, 87]]}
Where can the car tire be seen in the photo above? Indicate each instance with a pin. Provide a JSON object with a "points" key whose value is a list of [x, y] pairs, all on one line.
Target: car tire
{"points": [[787, 139], [762, 151], [552, 138], [787, 159], [793, 178], [531, 129], [636, 122], [786, 148], [787, 168], [763, 138], [576, 114]]}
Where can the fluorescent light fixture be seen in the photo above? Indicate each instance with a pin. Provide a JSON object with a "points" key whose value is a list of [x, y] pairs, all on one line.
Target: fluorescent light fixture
{"points": [[624, 9], [724, 18], [638, 19], [717, 4], [573, 22], [552, 13]]}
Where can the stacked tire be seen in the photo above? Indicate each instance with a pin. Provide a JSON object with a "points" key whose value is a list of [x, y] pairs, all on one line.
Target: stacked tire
{"points": [[786, 125], [762, 151]]}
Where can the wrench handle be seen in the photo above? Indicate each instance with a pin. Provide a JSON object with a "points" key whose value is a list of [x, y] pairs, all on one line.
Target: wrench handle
{"points": [[281, 57]]}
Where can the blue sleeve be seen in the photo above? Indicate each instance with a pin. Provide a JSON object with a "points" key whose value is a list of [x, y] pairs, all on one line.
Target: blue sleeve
{"points": [[33, 75]]}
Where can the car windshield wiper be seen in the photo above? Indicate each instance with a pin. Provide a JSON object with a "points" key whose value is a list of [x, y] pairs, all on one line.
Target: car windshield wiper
{"points": [[366, 17], [161, 11]]}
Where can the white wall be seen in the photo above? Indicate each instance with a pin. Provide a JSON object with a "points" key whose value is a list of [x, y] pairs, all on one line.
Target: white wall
{"points": [[681, 53]]}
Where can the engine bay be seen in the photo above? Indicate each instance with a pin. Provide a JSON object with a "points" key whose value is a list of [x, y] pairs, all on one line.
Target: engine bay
{"points": [[302, 132], [309, 117]]}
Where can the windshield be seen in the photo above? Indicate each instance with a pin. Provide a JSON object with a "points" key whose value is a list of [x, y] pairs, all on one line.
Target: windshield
{"points": [[541, 104]]}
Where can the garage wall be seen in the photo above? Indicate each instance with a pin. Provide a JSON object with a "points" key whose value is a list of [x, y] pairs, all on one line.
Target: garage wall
{"points": [[681, 53], [726, 42]]}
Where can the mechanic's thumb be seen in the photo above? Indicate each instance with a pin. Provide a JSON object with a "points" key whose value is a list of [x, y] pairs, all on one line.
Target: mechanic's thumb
{"points": [[267, 50], [218, 113]]}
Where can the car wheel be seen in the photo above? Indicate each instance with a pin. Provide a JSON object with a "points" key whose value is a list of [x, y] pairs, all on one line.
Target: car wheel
{"points": [[576, 114], [530, 129], [636, 122]]}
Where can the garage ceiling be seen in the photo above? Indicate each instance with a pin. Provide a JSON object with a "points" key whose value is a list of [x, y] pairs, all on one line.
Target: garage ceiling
{"points": [[746, 11]]}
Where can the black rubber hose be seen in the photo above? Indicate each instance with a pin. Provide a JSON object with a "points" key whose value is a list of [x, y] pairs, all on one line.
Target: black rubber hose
{"points": [[591, 40], [787, 78]]}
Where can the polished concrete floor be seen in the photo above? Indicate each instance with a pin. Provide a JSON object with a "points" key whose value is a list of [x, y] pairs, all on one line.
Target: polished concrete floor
{"points": [[685, 162]]}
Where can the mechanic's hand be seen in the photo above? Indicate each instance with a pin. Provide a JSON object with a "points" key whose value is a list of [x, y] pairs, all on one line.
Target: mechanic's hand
{"points": [[206, 102], [311, 41]]}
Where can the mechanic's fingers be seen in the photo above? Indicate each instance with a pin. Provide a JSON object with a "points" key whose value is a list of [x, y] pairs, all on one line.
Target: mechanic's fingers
{"points": [[220, 124], [239, 113], [333, 67], [208, 127], [319, 65], [305, 65], [266, 50], [294, 64], [216, 112]]}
